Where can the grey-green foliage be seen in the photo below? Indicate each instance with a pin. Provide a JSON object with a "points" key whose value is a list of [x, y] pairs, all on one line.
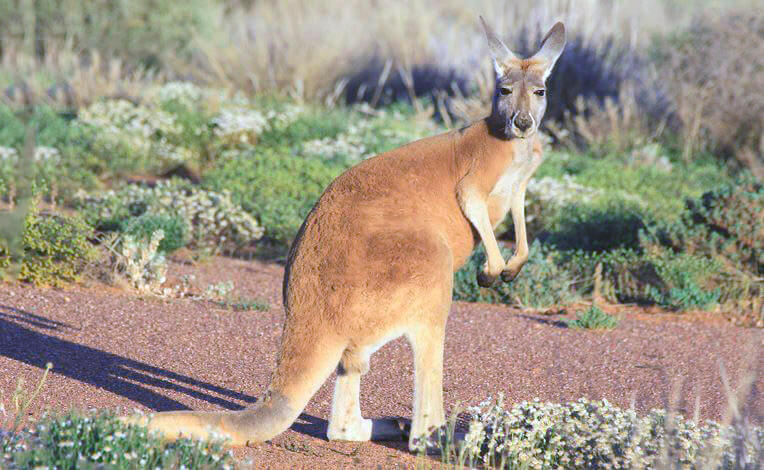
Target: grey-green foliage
{"points": [[598, 435], [275, 186], [211, 219], [172, 226], [73, 441], [541, 284]]}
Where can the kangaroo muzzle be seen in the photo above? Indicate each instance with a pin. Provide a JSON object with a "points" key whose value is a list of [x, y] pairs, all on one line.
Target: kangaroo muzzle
{"points": [[523, 124]]}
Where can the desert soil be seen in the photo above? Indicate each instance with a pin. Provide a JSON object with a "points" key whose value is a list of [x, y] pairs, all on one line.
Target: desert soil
{"points": [[112, 348]]}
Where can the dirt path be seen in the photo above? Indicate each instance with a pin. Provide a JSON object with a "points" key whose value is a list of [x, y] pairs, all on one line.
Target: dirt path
{"points": [[111, 348]]}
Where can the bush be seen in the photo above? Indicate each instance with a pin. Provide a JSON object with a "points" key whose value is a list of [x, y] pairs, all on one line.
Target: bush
{"points": [[141, 262], [715, 86], [61, 161], [597, 435], [725, 223], [276, 187], [55, 248], [134, 138], [309, 124], [172, 225], [596, 228], [428, 80], [675, 281], [542, 283], [210, 218], [100, 441], [593, 319]]}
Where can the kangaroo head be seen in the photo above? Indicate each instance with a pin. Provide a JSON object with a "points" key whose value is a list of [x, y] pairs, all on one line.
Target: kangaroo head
{"points": [[519, 100]]}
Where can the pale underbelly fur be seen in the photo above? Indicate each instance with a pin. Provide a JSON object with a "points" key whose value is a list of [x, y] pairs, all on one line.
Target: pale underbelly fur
{"points": [[511, 183]]}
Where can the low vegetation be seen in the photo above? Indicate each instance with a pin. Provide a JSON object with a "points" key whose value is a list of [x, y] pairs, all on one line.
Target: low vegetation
{"points": [[241, 175], [91, 440], [595, 434], [127, 134], [593, 318], [77, 440]]}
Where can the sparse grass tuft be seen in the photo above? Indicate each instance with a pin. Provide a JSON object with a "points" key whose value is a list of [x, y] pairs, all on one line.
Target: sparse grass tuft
{"points": [[593, 318], [244, 304]]}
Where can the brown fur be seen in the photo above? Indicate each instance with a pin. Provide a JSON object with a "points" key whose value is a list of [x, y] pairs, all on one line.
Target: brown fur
{"points": [[374, 260]]}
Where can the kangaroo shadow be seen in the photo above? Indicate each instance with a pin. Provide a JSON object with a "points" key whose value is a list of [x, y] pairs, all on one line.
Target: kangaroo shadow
{"points": [[122, 376]]}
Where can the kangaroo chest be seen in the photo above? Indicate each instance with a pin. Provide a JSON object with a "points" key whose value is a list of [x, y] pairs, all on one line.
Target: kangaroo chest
{"points": [[511, 184]]}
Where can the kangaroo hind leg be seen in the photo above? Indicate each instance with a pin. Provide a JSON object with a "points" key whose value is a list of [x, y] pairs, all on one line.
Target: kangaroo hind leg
{"points": [[346, 423], [428, 384]]}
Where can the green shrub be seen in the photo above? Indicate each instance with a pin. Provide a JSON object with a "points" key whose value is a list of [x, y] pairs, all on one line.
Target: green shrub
{"points": [[593, 318], [276, 187], [675, 281], [597, 227], [210, 218], [12, 128], [542, 282], [596, 435], [725, 223], [172, 225], [75, 441], [309, 125], [61, 161], [56, 248], [649, 177]]}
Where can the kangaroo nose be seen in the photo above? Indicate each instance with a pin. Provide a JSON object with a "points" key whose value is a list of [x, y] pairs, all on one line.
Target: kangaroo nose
{"points": [[523, 122]]}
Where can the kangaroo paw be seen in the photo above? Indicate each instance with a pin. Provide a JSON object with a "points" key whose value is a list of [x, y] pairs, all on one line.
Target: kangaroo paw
{"points": [[484, 279]]}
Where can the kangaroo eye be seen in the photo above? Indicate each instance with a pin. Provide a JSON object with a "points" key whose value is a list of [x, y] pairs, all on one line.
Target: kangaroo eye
{"points": [[505, 91], [539, 92]]}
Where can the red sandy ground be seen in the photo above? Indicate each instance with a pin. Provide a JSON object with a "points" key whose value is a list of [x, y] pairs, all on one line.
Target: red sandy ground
{"points": [[112, 348]]}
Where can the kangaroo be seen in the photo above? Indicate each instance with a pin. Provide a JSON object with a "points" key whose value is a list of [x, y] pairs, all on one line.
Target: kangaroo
{"points": [[375, 257]]}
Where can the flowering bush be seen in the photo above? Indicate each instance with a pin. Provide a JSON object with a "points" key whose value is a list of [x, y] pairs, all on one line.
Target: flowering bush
{"points": [[366, 136], [596, 434], [101, 441], [138, 134], [239, 125], [184, 93], [211, 218]]}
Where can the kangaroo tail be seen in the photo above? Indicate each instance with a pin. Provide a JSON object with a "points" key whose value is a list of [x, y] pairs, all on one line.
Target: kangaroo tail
{"points": [[302, 367]]}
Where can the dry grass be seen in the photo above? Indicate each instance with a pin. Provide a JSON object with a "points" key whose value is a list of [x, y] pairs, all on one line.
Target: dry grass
{"points": [[615, 125], [715, 84], [64, 78], [309, 50], [296, 46]]}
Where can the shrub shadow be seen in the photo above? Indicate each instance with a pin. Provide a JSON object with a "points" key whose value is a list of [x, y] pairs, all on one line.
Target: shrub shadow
{"points": [[544, 321]]}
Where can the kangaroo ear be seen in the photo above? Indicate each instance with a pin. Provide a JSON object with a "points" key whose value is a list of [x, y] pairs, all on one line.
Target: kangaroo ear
{"points": [[551, 47], [500, 53]]}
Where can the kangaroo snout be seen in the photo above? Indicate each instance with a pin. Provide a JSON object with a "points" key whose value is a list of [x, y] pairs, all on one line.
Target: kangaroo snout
{"points": [[522, 123]]}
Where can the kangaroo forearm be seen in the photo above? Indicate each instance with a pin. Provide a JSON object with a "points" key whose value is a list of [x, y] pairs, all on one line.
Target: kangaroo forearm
{"points": [[476, 211]]}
